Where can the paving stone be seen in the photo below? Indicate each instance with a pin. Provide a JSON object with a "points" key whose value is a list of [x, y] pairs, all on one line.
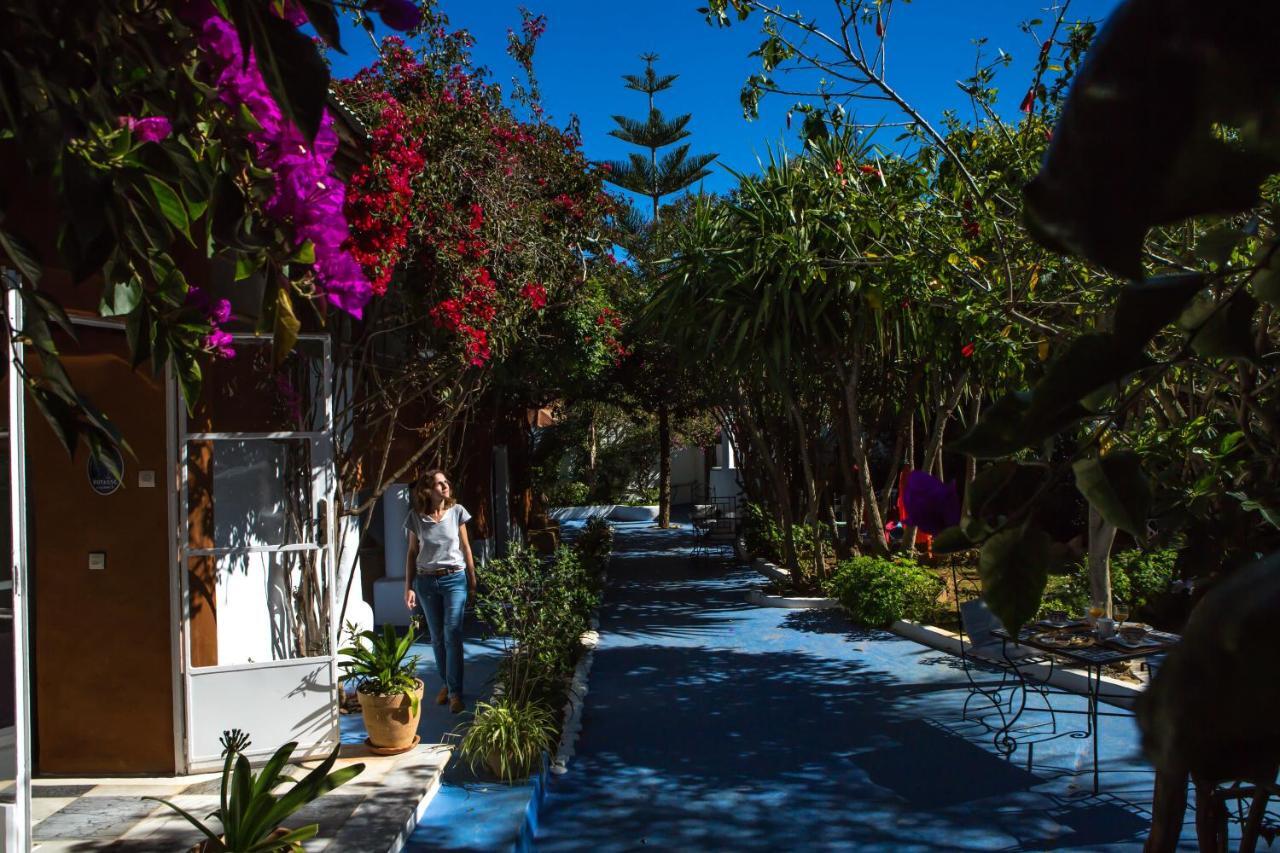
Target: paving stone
{"points": [[38, 790], [45, 806], [95, 818]]}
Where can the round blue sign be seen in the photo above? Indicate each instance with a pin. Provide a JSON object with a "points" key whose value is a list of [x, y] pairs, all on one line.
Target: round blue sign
{"points": [[101, 479]]}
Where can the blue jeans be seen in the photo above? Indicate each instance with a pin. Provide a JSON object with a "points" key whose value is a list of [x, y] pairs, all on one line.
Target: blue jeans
{"points": [[443, 600]]}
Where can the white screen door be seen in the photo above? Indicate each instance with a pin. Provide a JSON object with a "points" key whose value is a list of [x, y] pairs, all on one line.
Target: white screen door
{"points": [[256, 489]]}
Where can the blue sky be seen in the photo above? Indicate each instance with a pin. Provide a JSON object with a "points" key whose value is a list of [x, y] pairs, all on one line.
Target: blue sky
{"points": [[588, 45]]}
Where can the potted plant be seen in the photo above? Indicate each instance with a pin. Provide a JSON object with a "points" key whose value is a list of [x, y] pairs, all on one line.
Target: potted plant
{"points": [[508, 737], [388, 686], [251, 813]]}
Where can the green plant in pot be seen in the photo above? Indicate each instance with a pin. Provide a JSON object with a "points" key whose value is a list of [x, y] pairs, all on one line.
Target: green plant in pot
{"points": [[251, 813], [508, 737], [386, 678]]}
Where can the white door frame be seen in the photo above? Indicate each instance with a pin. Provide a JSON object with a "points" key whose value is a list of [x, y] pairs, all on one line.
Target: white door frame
{"points": [[323, 484], [18, 831]]}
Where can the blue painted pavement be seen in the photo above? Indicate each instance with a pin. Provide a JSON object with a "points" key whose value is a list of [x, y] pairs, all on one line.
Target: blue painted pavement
{"points": [[712, 724]]}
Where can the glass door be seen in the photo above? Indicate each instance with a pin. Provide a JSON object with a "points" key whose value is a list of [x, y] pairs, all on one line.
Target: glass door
{"points": [[255, 554]]}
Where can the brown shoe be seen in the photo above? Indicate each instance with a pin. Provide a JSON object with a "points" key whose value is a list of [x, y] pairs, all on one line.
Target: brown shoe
{"points": [[442, 698], [455, 705]]}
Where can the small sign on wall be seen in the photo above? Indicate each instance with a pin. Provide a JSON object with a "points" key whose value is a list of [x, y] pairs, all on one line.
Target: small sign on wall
{"points": [[101, 478]]}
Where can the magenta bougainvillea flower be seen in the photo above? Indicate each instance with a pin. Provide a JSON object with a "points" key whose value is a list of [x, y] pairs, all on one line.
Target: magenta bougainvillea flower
{"points": [[150, 129], [308, 197], [932, 505]]}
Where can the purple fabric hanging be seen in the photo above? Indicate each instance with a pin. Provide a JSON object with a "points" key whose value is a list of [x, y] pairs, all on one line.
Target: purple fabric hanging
{"points": [[932, 505]]}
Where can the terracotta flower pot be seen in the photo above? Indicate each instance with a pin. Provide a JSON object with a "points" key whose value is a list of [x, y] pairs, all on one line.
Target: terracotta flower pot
{"points": [[391, 720]]}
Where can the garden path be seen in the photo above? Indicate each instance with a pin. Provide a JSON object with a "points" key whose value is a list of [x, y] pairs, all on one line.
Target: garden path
{"points": [[712, 723]]}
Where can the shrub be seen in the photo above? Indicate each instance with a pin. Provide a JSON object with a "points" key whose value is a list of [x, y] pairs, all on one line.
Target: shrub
{"points": [[542, 607], [1148, 573], [508, 737], [1136, 577], [761, 533], [880, 590], [594, 544], [573, 493]]}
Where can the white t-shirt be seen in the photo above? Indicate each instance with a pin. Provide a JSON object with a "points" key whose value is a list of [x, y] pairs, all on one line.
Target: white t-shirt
{"points": [[439, 545]]}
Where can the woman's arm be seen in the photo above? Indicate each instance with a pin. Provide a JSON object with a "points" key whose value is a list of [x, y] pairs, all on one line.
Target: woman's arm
{"points": [[465, 542], [410, 598]]}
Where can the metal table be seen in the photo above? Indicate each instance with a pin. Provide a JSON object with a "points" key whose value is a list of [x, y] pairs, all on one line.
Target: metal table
{"points": [[1091, 659]]}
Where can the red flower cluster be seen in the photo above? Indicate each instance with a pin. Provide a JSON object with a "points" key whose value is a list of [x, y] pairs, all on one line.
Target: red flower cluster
{"points": [[610, 323], [569, 205], [380, 196], [470, 316], [536, 294]]}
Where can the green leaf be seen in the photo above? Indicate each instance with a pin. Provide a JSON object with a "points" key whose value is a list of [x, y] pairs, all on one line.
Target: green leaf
{"points": [[22, 254], [1266, 282], [322, 16], [950, 541], [1228, 332], [208, 833], [287, 327], [125, 297], [1146, 307], [1088, 363], [247, 265], [305, 254], [1116, 487], [1014, 571], [170, 205], [999, 432], [1269, 514]]}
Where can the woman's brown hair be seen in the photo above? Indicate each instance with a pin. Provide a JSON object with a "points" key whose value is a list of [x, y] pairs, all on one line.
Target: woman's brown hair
{"points": [[421, 495]]}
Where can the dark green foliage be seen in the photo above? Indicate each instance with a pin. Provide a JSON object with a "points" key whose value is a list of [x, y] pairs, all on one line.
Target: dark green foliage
{"points": [[1138, 578], [1014, 567], [572, 493], [250, 812], [509, 737], [1161, 78], [1211, 709], [542, 607], [877, 591], [648, 175], [380, 663], [761, 533], [594, 544]]}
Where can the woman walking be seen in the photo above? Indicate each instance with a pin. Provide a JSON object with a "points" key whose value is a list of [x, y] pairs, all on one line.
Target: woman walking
{"points": [[439, 574]]}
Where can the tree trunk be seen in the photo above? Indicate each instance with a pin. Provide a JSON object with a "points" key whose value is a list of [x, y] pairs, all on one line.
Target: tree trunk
{"points": [[971, 463], [933, 451], [811, 492], [776, 479], [592, 448], [1101, 535], [664, 466]]}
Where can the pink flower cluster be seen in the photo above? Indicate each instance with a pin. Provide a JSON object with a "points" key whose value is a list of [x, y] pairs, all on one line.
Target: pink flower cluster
{"points": [[151, 129], [219, 340], [308, 197]]}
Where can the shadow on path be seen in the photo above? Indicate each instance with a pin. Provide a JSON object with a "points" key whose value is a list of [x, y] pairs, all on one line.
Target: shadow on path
{"points": [[714, 724]]}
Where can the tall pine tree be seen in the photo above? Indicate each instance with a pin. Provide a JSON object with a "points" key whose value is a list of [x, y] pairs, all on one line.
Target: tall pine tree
{"points": [[649, 176], [654, 177]]}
